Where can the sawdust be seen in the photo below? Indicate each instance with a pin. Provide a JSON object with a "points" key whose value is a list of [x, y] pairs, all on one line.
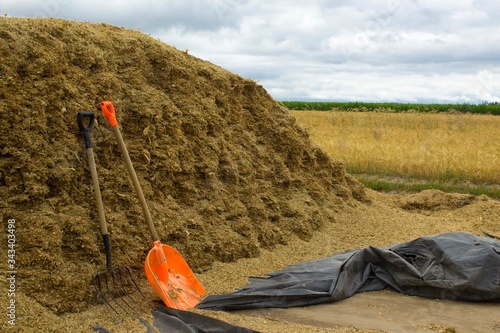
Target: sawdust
{"points": [[232, 181]]}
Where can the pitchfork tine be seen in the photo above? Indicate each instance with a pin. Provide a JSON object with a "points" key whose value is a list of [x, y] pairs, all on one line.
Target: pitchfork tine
{"points": [[121, 270], [120, 290], [111, 289], [96, 281]]}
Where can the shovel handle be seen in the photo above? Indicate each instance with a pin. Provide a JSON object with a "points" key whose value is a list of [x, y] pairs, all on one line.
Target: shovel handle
{"points": [[109, 112], [85, 130]]}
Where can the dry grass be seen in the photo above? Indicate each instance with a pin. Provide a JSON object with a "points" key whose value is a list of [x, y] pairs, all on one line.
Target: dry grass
{"points": [[445, 147]]}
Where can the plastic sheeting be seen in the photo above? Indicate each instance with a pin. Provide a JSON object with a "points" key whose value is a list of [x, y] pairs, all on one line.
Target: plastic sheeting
{"points": [[454, 266], [176, 321], [168, 320]]}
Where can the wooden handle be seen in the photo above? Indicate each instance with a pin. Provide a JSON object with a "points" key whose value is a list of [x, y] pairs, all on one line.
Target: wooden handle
{"points": [[135, 181]]}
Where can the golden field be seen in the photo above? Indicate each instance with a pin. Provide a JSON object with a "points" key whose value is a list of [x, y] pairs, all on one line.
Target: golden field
{"points": [[435, 146]]}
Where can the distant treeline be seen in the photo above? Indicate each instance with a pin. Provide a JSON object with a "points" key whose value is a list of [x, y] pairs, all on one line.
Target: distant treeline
{"points": [[483, 108]]}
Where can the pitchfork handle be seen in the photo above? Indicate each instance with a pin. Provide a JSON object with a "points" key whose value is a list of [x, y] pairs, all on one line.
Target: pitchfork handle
{"points": [[85, 130]]}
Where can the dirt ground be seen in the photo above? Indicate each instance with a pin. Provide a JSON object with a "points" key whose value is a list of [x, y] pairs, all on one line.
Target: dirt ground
{"points": [[392, 312], [232, 181]]}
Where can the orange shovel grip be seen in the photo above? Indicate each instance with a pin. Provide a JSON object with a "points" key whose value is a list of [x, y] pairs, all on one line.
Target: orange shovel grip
{"points": [[109, 112]]}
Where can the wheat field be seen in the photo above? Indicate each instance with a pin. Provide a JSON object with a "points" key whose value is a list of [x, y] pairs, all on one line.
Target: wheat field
{"points": [[433, 146]]}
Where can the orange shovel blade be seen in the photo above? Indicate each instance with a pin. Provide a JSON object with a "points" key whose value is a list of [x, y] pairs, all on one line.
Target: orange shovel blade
{"points": [[171, 278]]}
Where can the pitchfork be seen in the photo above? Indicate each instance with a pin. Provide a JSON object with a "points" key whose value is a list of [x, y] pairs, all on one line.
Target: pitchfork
{"points": [[112, 285]]}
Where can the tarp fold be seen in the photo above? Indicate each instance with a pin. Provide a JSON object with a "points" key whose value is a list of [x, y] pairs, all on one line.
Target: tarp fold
{"points": [[454, 266]]}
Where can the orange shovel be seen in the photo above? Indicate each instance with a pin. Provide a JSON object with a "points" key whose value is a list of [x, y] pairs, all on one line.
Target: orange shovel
{"points": [[166, 270]]}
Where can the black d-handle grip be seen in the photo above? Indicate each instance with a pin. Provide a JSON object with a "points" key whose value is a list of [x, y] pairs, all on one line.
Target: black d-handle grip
{"points": [[85, 130]]}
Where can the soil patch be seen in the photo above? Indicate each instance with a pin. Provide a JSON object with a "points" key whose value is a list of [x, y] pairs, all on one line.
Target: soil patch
{"points": [[393, 312]]}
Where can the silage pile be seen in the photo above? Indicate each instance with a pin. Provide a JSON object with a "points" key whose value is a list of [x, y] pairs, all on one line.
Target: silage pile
{"points": [[225, 169]]}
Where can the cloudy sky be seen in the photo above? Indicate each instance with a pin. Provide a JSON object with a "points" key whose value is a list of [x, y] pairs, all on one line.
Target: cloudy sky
{"points": [[387, 50]]}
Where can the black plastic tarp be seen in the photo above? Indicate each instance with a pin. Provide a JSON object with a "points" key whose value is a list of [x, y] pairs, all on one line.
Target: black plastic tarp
{"points": [[168, 320], [455, 266]]}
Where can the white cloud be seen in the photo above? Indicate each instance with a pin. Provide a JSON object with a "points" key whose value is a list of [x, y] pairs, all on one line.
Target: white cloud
{"points": [[397, 50]]}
